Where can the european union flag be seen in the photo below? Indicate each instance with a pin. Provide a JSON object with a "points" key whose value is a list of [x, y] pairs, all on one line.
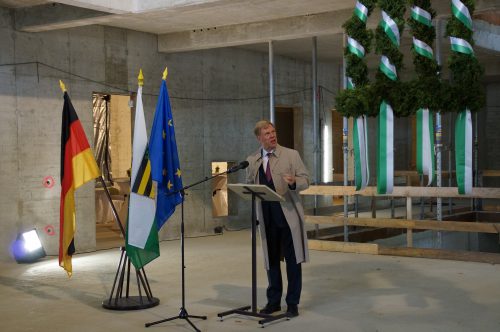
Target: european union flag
{"points": [[165, 168]]}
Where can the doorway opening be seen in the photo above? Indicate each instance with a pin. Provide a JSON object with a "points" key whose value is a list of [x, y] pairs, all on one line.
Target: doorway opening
{"points": [[285, 126], [112, 116], [221, 198]]}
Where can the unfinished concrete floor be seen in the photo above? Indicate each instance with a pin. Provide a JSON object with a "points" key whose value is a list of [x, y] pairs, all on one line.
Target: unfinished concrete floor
{"points": [[341, 292]]}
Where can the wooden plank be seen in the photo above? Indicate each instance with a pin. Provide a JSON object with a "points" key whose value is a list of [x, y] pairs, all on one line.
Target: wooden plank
{"points": [[456, 226], [409, 237], [409, 205], [322, 220], [374, 249], [338, 246], [403, 191], [490, 173], [467, 256]]}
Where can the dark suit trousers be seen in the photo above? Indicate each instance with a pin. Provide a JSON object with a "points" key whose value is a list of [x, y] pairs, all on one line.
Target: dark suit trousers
{"points": [[279, 241]]}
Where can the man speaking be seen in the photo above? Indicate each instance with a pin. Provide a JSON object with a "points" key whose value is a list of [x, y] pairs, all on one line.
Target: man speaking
{"points": [[281, 224]]}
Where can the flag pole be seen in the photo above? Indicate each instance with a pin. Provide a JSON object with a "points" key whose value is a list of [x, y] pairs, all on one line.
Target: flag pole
{"points": [[113, 209], [101, 179], [123, 270], [183, 313], [127, 302]]}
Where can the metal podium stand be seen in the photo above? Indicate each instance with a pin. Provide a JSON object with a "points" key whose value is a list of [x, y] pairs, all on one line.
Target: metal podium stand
{"points": [[263, 193]]}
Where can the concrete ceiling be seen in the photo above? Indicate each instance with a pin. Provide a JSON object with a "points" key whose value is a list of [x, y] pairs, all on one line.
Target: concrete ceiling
{"points": [[187, 25]]}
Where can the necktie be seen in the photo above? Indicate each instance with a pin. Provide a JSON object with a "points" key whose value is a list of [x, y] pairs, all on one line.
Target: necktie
{"points": [[268, 168]]}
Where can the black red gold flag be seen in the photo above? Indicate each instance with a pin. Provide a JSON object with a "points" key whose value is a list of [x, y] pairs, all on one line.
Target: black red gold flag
{"points": [[78, 166]]}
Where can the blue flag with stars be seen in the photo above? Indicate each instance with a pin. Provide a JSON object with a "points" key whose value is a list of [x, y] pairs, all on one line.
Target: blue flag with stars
{"points": [[165, 168]]}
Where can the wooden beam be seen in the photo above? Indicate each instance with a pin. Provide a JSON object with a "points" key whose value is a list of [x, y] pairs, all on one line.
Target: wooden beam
{"points": [[322, 220], [374, 249], [409, 237], [490, 173], [458, 255], [403, 191], [456, 226], [338, 246]]}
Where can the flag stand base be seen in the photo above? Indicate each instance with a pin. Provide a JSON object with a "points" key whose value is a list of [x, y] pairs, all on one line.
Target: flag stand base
{"points": [[120, 298]]}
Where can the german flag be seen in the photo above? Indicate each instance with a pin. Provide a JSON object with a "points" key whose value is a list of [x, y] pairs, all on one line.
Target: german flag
{"points": [[78, 166]]}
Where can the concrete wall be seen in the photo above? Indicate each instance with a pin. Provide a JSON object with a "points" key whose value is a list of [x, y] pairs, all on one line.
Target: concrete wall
{"points": [[216, 95], [213, 100]]}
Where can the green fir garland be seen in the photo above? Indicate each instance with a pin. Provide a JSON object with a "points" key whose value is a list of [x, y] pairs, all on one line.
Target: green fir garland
{"points": [[426, 90], [385, 87], [465, 90], [356, 100]]}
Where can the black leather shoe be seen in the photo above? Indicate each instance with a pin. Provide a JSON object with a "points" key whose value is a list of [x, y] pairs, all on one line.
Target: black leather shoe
{"points": [[292, 310], [270, 308]]}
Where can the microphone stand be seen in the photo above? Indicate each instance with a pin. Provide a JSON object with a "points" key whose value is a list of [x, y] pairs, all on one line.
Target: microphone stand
{"points": [[183, 314]]}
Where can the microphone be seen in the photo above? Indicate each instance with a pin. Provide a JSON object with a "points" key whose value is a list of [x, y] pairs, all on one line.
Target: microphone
{"points": [[242, 165]]}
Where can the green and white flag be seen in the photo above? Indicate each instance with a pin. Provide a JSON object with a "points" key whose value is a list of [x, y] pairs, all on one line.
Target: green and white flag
{"points": [[142, 234], [388, 68], [355, 47], [461, 12], [361, 11], [422, 48], [425, 144], [421, 15], [350, 83], [463, 152], [390, 28], [461, 45], [361, 166], [385, 157]]}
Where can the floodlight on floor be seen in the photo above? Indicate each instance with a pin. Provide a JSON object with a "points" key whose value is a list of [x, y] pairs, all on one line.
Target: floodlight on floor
{"points": [[27, 247]]}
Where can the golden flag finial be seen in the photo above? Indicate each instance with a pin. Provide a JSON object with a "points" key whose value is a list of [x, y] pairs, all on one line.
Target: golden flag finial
{"points": [[63, 87], [165, 73], [140, 78]]}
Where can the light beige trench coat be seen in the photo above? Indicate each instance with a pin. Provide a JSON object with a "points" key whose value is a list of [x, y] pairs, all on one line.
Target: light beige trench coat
{"points": [[284, 161]]}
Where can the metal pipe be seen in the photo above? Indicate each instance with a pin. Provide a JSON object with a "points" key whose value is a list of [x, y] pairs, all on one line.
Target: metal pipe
{"points": [[271, 82], [476, 159], [438, 138], [316, 138], [450, 150], [345, 131]]}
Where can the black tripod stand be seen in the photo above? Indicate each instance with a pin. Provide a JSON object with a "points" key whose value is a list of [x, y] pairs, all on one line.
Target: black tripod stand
{"points": [[183, 314]]}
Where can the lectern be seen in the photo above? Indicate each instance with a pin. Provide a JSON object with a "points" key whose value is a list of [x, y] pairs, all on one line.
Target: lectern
{"points": [[263, 193]]}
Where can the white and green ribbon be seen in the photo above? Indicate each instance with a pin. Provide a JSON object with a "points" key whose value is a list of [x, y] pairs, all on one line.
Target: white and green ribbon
{"points": [[355, 47], [388, 68], [361, 166], [461, 12], [385, 157], [422, 48], [461, 45], [425, 144], [421, 15], [390, 28], [361, 11], [463, 152], [350, 83]]}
